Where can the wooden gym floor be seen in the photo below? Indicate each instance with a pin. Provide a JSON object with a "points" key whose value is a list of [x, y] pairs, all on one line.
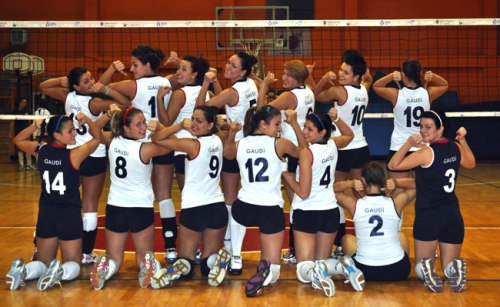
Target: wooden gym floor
{"points": [[478, 191]]}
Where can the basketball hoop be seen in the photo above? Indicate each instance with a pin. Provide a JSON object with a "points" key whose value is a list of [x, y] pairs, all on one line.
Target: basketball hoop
{"points": [[251, 47], [37, 65], [17, 61]]}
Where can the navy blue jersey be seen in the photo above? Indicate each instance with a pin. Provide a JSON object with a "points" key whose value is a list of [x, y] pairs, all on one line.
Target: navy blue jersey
{"points": [[436, 183], [60, 180]]}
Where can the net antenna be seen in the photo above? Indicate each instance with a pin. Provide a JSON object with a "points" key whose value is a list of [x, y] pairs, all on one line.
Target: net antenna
{"points": [[252, 47]]}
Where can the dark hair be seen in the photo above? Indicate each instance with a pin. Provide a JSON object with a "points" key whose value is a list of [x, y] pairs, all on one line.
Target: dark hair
{"points": [[74, 77], [374, 174], [247, 62], [122, 118], [146, 54], [412, 70], [439, 118], [255, 114], [199, 65], [54, 124], [321, 121], [354, 58], [210, 115]]}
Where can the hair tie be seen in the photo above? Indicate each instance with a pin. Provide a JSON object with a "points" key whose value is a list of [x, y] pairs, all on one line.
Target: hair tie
{"points": [[58, 122], [125, 115], [319, 119], [440, 121]]}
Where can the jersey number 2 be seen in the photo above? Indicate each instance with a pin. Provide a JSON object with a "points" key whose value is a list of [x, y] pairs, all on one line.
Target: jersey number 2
{"points": [[375, 231]]}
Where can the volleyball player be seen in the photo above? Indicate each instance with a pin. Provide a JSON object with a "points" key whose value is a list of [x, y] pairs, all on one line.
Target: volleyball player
{"points": [[145, 65], [379, 249], [80, 94], [408, 102], [260, 155], [437, 213], [203, 214], [298, 97], [315, 211], [59, 221], [236, 100], [351, 100], [130, 199]]}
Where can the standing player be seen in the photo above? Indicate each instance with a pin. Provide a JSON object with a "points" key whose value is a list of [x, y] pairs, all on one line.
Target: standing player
{"points": [[79, 94], [351, 96], [437, 213], [236, 100], [59, 220], [145, 65]]}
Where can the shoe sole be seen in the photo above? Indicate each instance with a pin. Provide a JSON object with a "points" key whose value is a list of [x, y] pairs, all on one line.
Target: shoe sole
{"points": [[432, 280], [458, 283], [53, 273], [98, 273], [13, 277], [257, 281], [165, 278], [147, 271], [218, 272]]}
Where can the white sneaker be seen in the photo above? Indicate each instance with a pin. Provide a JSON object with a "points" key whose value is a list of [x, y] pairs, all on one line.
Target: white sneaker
{"points": [[289, 256], [459, 276], [236, 265], [322, 281], [218, 272], [52, 276], [170, 255], [432, 280], [352, 273], [16, 275], [89, 258], [166, 276], [99, 272]]}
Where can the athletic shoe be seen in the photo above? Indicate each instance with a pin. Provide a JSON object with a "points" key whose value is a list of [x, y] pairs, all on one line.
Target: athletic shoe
{"points": [[197, 258], [30, 167], [432, 280], [16, 275], [89, 258], [459, 275], [166, 276], [218, 272], [52, 276], [21, 167], [99, 272], [322, 281], [255, 284], [170, 255], [352, 273], [236, 265], [289, 256], [147, 269]]}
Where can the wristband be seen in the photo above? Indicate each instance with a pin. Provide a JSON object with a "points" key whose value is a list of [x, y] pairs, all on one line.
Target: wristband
{"points": [[107, 90]]}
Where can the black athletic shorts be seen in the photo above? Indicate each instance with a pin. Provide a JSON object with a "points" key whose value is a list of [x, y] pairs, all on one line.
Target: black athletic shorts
{"points": [[92, 166], [180, 164], [213, 216], [64, 223], [166, 159], [313, 221], [269, 219], [230, 166], [444, 224], [391, 272], [352, 158], [123, 219]]}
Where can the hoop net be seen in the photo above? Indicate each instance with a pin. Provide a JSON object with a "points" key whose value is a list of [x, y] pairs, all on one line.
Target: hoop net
{"points": [[251, 47]]}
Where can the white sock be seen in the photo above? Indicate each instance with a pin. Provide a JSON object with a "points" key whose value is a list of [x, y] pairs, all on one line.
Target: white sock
{"points": [[305, 271], [275, 272], [35, 269], [113, 268], [449, 271], [333, 266], [227, 236], [211, 260], [237, 235], [419, 272], [71, 270]]}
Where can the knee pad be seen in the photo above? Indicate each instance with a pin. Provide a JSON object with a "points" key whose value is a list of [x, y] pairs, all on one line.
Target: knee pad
{"points": [[167, 209], [419, 271], [304, 271], [89, 221]]}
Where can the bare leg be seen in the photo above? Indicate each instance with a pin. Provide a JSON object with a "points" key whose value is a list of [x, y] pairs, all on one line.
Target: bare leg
{"points": [[115, 245], [143, 242], [305, 246], [271, 246], [47, 249], [324, 244], [349, 245]]}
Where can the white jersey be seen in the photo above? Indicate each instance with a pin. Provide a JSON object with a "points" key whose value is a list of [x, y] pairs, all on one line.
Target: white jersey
{"points": [[260, 170], [130, 177], [305, 105], [190, 95], [247, 97], [323, 175], [377, 231], [410, 106], [81, 103], [203, 174], [145, 97], [352, 112]]}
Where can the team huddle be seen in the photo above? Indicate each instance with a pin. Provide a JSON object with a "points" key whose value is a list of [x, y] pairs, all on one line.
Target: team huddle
{"points": [[230, 171]]}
